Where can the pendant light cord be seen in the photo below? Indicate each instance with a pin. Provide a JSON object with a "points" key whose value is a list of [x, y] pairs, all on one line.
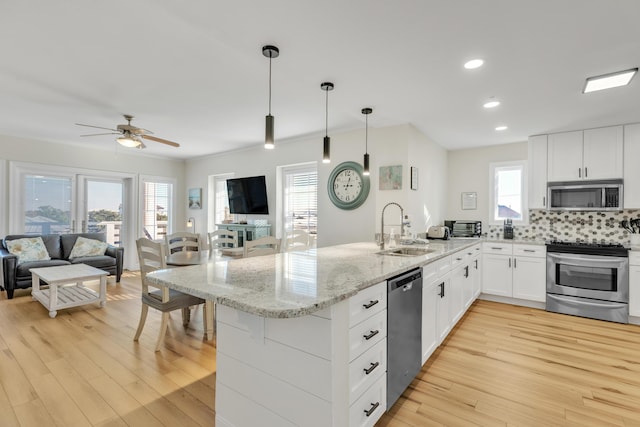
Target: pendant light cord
{"points": [[269, 84], [366, 134], [326, 114]]}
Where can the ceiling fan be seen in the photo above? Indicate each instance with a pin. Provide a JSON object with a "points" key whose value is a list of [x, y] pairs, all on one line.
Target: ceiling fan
{"points": [[130, 136]]}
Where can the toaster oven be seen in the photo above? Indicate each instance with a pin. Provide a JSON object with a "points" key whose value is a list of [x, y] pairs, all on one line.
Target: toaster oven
{"points": [[464, 228]]}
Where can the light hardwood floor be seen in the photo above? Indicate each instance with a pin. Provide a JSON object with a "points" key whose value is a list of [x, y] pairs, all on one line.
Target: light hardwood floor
{"points": [[502, 365]]}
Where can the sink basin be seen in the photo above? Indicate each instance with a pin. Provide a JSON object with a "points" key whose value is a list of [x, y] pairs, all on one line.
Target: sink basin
{"points": [[407, 251]]}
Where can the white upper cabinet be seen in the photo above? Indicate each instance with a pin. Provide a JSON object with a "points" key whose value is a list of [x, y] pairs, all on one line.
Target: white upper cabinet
{"points": [[603, 153], [538, 172], [564, 156], [631, 169], [590, 154]]}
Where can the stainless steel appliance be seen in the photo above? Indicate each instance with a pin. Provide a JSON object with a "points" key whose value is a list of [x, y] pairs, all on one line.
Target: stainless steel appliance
{"points": [[508, 229], [588, 280], [464, 228], [438, 232], [603, 195], [404, 332]]}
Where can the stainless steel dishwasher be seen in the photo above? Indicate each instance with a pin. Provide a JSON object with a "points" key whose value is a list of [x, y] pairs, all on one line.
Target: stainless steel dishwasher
{"points": [[404, 332]]}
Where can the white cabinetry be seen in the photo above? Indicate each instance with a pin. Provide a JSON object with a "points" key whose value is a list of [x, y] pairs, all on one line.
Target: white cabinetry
{"points": [[564, 156], [496, 269], [514, 270], [435, 305], [328, 368], [634, 283], [631, 169], [603, 153], [459, 276], [589, 154], [537, 172]]}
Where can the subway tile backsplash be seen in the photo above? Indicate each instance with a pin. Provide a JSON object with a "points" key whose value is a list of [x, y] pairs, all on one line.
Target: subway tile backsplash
{"points": [[592, 227]]}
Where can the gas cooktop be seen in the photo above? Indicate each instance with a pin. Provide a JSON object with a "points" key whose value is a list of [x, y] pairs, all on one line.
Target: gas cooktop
{"points": [[608, 249]]}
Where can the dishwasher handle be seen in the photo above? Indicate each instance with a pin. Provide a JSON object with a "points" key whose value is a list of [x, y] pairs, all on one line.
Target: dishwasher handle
{"points": [[405, 279]]}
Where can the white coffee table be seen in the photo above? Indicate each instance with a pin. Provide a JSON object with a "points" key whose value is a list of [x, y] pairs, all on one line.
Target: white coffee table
{"points": [[66, 286]]}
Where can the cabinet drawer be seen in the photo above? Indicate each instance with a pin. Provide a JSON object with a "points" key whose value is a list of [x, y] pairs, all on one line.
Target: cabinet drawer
{"points": [[537, 251], [459, 258], [443, 265], [634, 257], [367, 369], [366, 334], [367, 302], [497, 248], [473, 250], [370, 406]]}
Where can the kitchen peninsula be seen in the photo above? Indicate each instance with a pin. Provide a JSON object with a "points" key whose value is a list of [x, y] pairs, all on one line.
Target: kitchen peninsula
{"points": [[289, 331]]}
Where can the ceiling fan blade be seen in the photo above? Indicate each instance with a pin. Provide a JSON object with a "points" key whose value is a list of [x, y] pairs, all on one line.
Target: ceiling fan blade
{"points": [[97, 127], [97, 134], [160, 140]]}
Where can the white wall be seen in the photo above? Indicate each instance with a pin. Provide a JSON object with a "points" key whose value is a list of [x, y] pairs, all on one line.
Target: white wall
{"points": [[14, 149], [387, 146], [469, 171]]}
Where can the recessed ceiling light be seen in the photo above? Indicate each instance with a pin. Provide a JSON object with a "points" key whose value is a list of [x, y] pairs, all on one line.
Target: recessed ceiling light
{"points": [[491, 104], [608, 81], [499, 128], [474, 63]]}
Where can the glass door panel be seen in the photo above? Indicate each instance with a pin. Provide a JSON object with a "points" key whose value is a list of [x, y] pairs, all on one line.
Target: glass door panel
{"points": [[103, 209], [48, 204]]}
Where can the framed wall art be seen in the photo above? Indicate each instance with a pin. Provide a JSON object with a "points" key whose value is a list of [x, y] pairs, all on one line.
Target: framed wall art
{"points": [[195, 198], [414, 178], [391, 177], [469, 200]]}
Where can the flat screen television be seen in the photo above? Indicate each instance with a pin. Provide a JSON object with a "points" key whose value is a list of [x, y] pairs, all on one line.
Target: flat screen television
{"points": [[248, 195]]}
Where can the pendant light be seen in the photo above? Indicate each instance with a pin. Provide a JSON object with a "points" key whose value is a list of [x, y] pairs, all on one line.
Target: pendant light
{"points": [[326, 157], [270, 52], [366, 112]]}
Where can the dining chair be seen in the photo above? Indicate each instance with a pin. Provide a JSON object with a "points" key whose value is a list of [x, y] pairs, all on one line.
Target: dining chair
{"points": [[152, 256], [267, 245], [296, 240], [182, 241], [222, 238]]}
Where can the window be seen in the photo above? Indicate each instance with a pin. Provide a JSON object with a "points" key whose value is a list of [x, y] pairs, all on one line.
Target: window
{"points": [[47, 204], [220, 200], [300, 198], [508, 196], [157, 202]]}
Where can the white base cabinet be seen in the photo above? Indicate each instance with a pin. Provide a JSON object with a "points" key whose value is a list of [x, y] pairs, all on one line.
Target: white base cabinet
{"points": [[316, 370], [514, 270]]}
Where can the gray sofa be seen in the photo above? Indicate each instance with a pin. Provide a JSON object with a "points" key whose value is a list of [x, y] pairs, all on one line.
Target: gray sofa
{"points": [[59, 246]]}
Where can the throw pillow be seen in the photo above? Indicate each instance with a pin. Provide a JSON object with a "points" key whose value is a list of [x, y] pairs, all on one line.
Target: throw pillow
{"points": [[28, 249], [88, 247]]}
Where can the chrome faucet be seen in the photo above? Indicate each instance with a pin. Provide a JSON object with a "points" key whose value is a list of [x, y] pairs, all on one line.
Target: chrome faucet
{"points": [[382, 223]]}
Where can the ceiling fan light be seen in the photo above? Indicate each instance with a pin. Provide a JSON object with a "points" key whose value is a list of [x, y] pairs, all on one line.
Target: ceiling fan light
{"points": [[128, 141]]}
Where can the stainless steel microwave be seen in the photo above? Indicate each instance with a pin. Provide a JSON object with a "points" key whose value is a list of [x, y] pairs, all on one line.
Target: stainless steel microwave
{"points": [[605, 195]]}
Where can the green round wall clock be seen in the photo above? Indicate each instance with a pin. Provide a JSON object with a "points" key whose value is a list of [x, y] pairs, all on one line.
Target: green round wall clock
{"points": [[347, 186]]}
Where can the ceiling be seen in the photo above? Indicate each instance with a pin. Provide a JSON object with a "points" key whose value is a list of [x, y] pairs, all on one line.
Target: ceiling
{"points": [[193, 72]]}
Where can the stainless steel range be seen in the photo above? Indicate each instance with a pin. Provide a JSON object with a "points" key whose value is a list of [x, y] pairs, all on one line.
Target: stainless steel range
{"points": [[588, 280]]}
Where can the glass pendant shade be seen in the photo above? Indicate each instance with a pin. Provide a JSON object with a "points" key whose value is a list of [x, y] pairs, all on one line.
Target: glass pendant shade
{"points": [[366, 165], [128, 141], [326, 154], [268, 138]]}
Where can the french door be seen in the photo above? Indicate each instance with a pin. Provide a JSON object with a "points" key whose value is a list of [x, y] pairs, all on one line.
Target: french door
{"points": [[55, 200]]}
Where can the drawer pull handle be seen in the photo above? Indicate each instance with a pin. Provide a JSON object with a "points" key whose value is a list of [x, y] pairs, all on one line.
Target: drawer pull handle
{"points": [[497, 249], [458, 259], [371, 368], [529, 250], [371, 304], [374, 406], [371, 335]]}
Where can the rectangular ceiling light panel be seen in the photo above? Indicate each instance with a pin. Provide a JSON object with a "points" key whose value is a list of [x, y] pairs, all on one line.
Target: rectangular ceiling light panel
{"points": [[608, 81]]}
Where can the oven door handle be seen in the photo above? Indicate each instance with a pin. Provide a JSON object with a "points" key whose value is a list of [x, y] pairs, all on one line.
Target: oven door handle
{"points": [[584, 301], [579, 261]]}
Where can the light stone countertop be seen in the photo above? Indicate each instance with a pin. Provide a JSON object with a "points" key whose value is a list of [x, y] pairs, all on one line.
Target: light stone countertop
{"points": [[296, 284]]}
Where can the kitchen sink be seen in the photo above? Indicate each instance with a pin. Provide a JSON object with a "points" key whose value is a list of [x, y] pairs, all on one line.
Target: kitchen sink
{"points": [[407, 251]]}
